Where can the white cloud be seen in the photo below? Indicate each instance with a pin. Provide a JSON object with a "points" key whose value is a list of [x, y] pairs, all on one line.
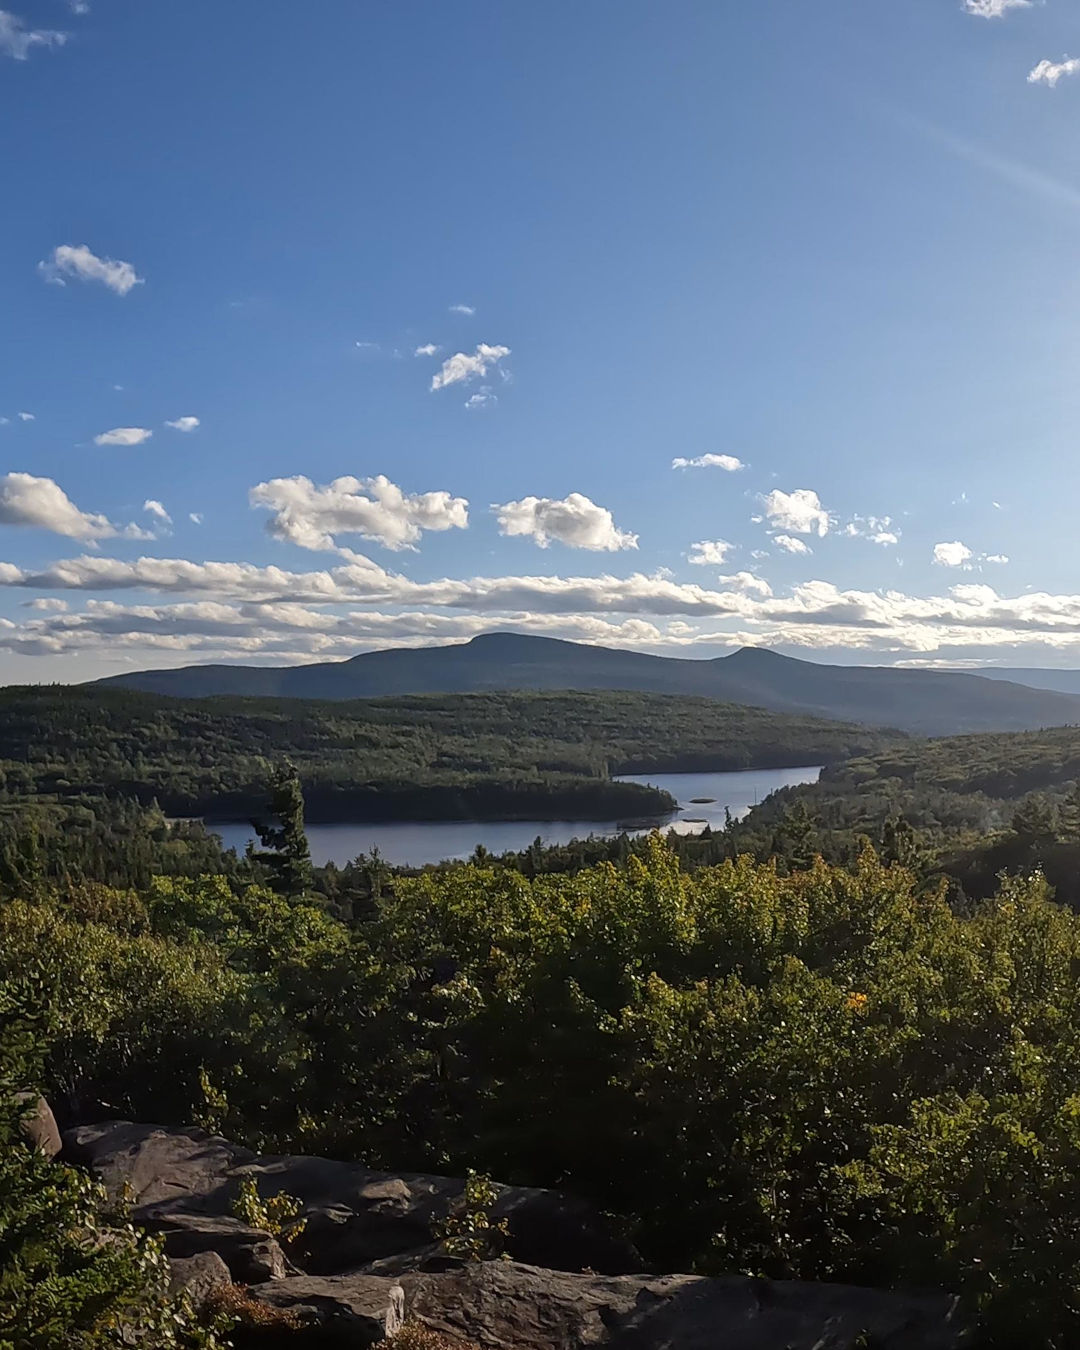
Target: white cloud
{"points": [[467, 310], [1049, 72], [196, 517], [996, 558], [574, 521], [877, 529], [748, 583], [461, 366], [800, 512], [709, 552], [78, 261], [374, 508], [26, 417], [729, 463], [124, 436], [79, 6], [954, 554], [48, 605], [240, 609], [993, 9], [42, 503], [428, 349], [18, 41], [155, 508], [184, 424], [482, 398], [792, 545]]}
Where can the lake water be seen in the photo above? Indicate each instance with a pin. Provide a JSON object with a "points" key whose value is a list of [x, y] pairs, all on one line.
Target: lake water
{"points": [[414, 843]]}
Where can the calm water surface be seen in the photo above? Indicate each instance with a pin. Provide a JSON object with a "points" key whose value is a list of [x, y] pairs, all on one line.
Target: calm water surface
{"points": [[414, 843]]}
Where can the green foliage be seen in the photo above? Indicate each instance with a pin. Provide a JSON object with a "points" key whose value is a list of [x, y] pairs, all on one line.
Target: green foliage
{"points": [[470, 1231], [818, 1073], [277, 1214], [72, 1277]]}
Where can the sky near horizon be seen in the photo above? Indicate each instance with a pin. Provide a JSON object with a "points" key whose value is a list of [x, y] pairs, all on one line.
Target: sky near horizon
{"points": [[676, 326]]}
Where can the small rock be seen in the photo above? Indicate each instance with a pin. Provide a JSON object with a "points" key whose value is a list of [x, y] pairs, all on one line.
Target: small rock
{"points": [[38, 1126], [198, 1276]]}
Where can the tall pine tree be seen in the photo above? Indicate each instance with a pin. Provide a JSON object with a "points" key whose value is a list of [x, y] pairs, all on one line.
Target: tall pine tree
{"points": [[284, 849]]}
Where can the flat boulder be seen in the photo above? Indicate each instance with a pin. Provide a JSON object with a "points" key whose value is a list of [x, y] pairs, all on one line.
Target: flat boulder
{"points": [[503, 1304], [352, 1310], [353, 1216]]}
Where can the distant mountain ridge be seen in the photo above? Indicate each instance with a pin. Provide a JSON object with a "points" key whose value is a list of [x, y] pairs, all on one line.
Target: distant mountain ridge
{"points": [[931, 703]]}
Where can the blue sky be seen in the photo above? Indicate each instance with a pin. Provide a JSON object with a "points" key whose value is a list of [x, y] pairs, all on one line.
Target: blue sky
{"points": [[832, 246]]}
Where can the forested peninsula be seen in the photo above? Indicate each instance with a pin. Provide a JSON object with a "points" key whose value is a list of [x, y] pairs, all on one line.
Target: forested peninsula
{"points": [[450, 757]]}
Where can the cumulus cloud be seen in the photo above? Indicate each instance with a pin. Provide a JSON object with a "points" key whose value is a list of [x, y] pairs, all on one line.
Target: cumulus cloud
{"points": [[798, 512], [18, 41], [428, 349], [26, 417], [461, 367], [729, 463], [374, 508], [467, 310], [184, 424], [747, 582], [156, 509], [124, 436], [996, 558], [993, 9], [47, 605], [790, 544], [1050, 72], [70, 260], [574, 521], [954, 554], [42, 503], [709, 552]]}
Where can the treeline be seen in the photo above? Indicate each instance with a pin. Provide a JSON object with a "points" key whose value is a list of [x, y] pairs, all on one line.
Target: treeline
{"points": [[472, 756]]}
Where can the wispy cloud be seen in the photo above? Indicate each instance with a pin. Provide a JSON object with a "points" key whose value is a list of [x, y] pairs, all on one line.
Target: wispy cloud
{"points": [[428, 349], [993, 9], [26, 417], [467, 310], [79, 262], [729, 463], [184, 424], [1034, 182], [18, 41], [1049, 72], [124, 436], [461, 366], [156, 509]]}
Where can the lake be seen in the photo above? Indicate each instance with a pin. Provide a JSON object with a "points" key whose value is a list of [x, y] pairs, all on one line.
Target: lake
{"points": [[414, 843]]}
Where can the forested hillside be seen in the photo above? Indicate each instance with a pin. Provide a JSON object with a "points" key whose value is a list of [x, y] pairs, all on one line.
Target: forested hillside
{"points": [[467, 756], [924, 702]]}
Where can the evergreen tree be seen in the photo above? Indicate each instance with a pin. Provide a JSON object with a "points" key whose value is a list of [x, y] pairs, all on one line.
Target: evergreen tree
{"points": [[284, 849]]}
